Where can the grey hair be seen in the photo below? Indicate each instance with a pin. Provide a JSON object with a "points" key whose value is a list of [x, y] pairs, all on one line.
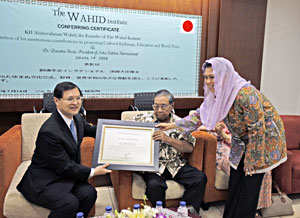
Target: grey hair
{"points": [[164, 92]]}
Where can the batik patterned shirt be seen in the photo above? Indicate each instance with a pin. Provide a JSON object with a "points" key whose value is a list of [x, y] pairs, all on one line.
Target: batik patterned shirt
{"points": [[169, 157], [252, 116]]}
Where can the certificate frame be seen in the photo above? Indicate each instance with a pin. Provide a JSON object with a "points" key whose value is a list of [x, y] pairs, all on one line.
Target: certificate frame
{"points": [[108, 147]]}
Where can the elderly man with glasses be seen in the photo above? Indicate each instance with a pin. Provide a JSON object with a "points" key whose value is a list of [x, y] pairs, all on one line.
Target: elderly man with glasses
{"points": [[172, 166]]}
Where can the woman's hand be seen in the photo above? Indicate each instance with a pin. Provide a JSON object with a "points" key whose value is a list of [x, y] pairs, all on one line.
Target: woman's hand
{"points": [[166, 126], [248, 168], [202, 128], [219, 128]]}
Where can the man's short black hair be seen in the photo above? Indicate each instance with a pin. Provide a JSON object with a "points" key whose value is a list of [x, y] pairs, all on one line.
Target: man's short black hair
{"points": [[164, 92], [64, 86]]}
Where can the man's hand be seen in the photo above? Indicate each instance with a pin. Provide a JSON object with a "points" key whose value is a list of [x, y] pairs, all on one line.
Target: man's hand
{"points": [[101, 170], [160, 136], [166, 126]]}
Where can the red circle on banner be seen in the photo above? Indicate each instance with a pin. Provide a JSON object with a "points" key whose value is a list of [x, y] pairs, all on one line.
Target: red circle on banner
{"points": [[187, 26]]}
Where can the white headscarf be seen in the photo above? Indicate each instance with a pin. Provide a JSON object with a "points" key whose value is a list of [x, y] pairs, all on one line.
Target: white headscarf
{"points": [[227, 85]]}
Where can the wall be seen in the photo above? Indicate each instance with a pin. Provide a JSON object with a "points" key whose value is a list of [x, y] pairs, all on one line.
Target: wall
{"points": [[281, 57], [231, 28], [241, 36], [11, 110]]}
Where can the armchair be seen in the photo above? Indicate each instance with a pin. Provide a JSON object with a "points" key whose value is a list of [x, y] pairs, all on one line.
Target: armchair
{"points": [[217, 181], [287, 175], [130, 187], [16, 149]]}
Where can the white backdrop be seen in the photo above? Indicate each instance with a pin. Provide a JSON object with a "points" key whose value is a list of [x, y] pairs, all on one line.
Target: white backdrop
{"points": [[281, 58]]}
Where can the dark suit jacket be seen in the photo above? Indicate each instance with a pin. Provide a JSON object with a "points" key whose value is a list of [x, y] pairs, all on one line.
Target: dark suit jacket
{"points": [[55, 165]]}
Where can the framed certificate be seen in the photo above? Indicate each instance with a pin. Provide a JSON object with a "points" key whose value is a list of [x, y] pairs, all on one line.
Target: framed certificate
{"points": [[126, 145]]}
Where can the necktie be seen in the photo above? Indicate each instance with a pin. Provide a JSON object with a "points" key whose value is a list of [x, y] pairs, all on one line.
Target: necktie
{"points": [[73, 131]]}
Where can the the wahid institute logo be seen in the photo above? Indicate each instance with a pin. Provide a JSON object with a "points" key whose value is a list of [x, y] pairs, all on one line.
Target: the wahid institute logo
{"points": [[187, 26]]}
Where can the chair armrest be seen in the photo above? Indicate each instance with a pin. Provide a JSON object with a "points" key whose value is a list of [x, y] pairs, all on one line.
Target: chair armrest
{"points": [[87, 151], [196, 157], [122, 183], [209, 143], [204, 153], [10, 159]]}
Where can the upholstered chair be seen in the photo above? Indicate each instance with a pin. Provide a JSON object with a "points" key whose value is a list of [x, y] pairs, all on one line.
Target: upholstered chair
{"points": [[130, 188], [287, 175], [16, 149]]}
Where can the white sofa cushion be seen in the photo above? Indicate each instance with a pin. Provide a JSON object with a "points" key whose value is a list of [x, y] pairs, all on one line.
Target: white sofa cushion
{"points": [[31, 124], [129, 115], [222, 180], [174, 191], [15, 204]]}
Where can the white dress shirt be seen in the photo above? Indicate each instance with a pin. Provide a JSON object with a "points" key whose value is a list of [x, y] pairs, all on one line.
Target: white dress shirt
{"points": [[68, 122]]}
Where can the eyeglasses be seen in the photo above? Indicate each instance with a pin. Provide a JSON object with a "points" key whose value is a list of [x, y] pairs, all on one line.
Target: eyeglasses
{"points": [[71, 99], [162, 106]]}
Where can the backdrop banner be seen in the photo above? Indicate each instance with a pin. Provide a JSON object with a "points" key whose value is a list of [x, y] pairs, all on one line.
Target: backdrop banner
{"points": [[107, 52]]}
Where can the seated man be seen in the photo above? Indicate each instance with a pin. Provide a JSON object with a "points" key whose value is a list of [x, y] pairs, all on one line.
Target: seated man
{"points": [[172, 166], [55, 178]]}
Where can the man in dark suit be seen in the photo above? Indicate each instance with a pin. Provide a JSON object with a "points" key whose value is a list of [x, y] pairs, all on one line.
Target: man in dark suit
{"points": [[55, 178]]}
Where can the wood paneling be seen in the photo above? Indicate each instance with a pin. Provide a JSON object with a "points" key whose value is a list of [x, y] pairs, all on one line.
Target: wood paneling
{"points": [[11, 110], [90, 104], [8, 120], [213, 28], [210, 34], [241, 36]]}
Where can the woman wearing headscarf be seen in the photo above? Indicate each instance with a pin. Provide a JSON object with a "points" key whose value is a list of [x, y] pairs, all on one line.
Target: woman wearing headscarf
{"points": [[258, 137]]}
